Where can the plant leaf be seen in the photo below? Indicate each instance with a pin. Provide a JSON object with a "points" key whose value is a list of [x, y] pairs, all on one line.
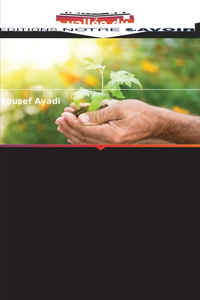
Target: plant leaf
{"points": [[97, 99], [118, 78], [80, 94], [93, 63], [114, 88]]}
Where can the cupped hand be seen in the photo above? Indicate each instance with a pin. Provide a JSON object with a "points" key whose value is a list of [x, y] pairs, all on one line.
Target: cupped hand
{"points": [[122, 122]]}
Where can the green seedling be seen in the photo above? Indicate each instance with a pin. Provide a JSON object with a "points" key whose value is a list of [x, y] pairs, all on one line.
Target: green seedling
{"points": [[112, 88]]}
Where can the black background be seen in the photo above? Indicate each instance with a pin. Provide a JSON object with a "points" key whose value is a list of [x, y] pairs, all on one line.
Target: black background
{"points": [[79, 221]]}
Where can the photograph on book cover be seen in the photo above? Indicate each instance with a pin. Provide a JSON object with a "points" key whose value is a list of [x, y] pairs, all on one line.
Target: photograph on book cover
{"points": [[78, 74]]}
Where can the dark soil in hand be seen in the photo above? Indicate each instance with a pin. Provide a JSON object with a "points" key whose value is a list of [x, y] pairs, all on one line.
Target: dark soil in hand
{"points": [[102, 106], [84, 109], [80, 111]]}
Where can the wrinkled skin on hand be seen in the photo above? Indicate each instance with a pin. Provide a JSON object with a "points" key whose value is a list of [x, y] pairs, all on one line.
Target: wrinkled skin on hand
{"points": [[122, 122]]}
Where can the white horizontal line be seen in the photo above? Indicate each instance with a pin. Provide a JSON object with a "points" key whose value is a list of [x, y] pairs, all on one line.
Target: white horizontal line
{"points": [[100, 89]]}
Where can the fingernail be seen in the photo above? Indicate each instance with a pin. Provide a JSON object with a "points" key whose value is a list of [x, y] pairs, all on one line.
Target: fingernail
{"points": [[69, 141], [60, 129], [84, 118], [57, 122]]}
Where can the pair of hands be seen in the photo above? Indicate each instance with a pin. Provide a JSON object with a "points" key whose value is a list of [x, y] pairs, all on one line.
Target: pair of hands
{"points": [[121, 122], [129, 122]]}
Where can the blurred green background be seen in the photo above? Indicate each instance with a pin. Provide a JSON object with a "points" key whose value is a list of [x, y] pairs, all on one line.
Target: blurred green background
{"points": [[54, 68]]}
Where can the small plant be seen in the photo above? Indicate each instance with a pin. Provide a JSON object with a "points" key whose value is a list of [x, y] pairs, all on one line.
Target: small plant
{"points": [[112, 88]]}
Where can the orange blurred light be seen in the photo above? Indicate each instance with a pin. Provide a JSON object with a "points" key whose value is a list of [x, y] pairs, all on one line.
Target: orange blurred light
{"points": [[179, 62], [44, 107], [70, 78], [149, 67], [180, 110], [92, 81]]}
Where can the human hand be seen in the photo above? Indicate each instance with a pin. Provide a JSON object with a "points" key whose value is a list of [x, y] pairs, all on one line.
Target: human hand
{"points": [[122, 122]]}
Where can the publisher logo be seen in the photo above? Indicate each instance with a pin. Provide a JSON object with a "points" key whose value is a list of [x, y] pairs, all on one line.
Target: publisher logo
{"points": [[95, 18]]}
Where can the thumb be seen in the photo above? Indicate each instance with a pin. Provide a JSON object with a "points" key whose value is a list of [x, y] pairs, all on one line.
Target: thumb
{"points": [[97, 117]]}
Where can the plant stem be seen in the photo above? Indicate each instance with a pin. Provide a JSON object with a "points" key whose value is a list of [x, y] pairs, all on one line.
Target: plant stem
{"points": [[102, 80]]}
